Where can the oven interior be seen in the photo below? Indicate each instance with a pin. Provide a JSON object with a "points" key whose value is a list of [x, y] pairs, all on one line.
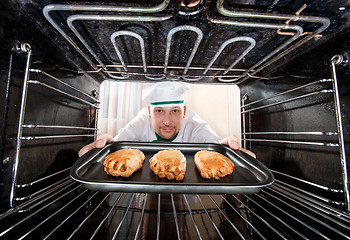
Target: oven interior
{"points": [[288, 58]]}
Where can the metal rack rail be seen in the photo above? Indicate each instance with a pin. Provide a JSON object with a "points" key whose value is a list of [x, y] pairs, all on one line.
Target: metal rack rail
{"points": [[25, 47], [251, 136], [276, 212]]}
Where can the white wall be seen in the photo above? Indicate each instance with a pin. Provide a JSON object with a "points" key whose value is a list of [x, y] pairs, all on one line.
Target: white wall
{"points": [[219, 105]]}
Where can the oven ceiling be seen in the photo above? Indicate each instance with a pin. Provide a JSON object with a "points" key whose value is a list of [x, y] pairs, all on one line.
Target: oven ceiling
{"points": [[212, 41]]}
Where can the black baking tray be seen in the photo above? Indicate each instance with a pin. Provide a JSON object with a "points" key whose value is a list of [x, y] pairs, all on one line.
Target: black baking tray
{"points": [[249, 175]]}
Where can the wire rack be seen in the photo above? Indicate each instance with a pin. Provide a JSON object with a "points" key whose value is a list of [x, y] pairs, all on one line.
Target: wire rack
{"points": [[70, 211], [56, 206]]}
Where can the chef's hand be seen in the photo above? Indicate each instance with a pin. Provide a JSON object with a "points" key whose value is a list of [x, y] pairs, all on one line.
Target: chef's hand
{"points": [[101, 141], [232, 142]]}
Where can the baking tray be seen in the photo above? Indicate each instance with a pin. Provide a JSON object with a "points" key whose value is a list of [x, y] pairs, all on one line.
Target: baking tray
{"points": [[249, 176]]}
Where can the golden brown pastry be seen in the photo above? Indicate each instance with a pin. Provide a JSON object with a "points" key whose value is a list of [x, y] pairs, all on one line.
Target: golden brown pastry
{"points": [[123, 162], [170, 163], [211, 164]]}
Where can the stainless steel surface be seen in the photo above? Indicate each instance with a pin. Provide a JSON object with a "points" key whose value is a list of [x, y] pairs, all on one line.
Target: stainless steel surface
{"points": [[289, 119], [297, 17], [267, 60], [54, 126], [22, 125], [244, 53], [193, 52], [62, 92], [251, 136], [110, 216], [326, 144], [248, 177], [62, 7], [65, 84], [56, 136], [288, 100], [19, 129], [285, 92], [340, 135], [142, 47]]}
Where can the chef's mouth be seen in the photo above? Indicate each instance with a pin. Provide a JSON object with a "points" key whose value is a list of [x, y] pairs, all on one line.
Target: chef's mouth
{"points": [[168, 129]]}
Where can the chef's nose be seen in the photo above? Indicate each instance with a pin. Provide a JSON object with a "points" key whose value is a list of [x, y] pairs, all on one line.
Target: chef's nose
{"points": [[167, 119]]}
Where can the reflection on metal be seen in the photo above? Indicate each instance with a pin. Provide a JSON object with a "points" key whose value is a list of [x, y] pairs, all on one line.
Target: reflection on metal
{"points": [[194, 50], [62, 92], [325, 22], [249, 136], [337, 60], [223, 46], [289, 100], [28, 50], [63, 83], [142, 46], [289, 91], [21, 125], [61, 7], [96, 62], [213, 217], [325, 144]]}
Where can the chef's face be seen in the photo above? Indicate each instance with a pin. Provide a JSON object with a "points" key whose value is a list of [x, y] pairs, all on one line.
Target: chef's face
{"points": [[166, 121]]}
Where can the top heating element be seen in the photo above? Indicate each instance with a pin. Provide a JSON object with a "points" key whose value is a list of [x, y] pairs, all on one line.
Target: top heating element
{"points": [[211, 42]]}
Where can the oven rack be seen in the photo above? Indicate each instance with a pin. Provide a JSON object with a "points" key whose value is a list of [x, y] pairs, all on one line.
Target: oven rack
{"points": [[68, 19], [69, 211], [75, 96], [66, 209], [245, 110], [338, 142]]}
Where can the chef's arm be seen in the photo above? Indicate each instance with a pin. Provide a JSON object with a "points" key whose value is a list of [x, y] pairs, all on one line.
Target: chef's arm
{"points": [[101, 141], [232, 142]]}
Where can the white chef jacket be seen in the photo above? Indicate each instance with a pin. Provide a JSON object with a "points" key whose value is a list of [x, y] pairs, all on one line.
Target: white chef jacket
{"points": [[193, 129]]}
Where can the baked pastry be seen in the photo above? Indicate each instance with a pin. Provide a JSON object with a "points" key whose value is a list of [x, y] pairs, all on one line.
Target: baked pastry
{"points": [[123, 162], [211, 164], [170, 163]]}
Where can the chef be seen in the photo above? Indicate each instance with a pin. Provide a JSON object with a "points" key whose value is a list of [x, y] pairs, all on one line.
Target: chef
{"points": [[166, 119]]}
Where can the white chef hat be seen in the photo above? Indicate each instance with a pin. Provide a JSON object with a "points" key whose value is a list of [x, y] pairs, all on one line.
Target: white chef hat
{"points": [[166, 94]]}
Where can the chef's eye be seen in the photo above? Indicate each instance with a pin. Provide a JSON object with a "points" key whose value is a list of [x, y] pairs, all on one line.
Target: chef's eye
{"points": [[176, 111]]}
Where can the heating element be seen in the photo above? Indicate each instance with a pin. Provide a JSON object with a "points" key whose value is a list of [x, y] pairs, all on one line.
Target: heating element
{"points": [[288, 37]]}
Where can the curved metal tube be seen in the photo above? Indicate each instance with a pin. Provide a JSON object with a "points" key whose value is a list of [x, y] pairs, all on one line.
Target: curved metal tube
{"points": [[298, 30], [155, 77], [99, 8], [223, 46], [142, 46], [60, 7], [16, 159], [81, 17], [194, 50], [322, 20], [343, 161]]}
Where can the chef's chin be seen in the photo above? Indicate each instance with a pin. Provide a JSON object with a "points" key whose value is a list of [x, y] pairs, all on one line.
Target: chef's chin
{"points": [[167, 135]]}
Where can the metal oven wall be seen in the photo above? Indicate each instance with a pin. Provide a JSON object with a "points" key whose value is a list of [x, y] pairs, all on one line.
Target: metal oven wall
{"points": [[306, 201]]}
